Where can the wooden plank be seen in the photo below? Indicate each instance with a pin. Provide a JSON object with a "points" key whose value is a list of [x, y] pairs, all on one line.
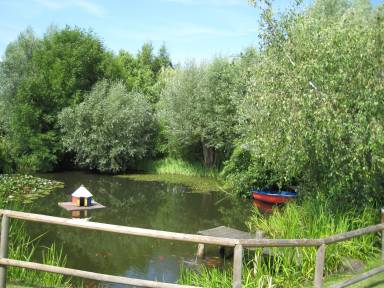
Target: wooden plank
{"points": [[4, 249], [319, 269], [354, 233], [200, 251], [358, 278], [69, 206], [226, 232], [382, 235], [90, 275], [121, 229], [237, 266], [280, 242]]}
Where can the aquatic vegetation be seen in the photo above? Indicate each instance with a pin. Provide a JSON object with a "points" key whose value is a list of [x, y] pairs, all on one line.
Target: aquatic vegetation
{"points": [[294, 267], [15, 191], [178, 167], [24, 188], [195, 183]]}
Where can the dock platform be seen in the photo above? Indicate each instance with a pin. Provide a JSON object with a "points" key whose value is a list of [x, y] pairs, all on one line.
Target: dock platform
{"points": [[226, 232], [69, 206]]}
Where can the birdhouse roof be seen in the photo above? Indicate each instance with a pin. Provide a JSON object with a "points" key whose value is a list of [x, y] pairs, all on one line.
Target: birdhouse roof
{"points": [[82, 192]]}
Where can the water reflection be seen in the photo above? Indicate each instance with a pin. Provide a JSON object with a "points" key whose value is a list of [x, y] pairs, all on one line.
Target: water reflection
{"points": [[141, 204]]}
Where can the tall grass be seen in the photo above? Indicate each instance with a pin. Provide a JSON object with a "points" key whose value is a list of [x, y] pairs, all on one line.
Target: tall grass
{"points": [[22, 247], [178, 167], [294, 267], [16, 191]]}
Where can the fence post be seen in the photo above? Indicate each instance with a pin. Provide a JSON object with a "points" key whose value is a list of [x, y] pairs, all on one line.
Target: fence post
{"points": [[319, 269], [237, 265], [4, 249], [382, 235]]}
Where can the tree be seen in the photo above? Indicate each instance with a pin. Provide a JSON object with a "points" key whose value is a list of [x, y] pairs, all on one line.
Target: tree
{"points": [[313, 111], [110, 130], [197, 108], [141, 72], [42, 77]]}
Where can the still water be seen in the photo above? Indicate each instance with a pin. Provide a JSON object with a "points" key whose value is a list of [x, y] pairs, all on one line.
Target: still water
{"points": [[153, 205]]}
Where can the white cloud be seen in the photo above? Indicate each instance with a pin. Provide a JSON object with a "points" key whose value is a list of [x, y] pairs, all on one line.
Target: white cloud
{"points": [[85, 5]]}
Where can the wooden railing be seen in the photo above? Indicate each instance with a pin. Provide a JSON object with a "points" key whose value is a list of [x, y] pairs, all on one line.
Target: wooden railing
{"points": [[237, 244]]}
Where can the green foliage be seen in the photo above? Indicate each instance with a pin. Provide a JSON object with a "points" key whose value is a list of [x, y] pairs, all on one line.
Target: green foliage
{"points": [[196, 109], [294, 267], [244, 170], [140, 73], [15, 191], [22, 247], [313, 107], [24, 188], [42, 76], [110, 130], [177, 167]]}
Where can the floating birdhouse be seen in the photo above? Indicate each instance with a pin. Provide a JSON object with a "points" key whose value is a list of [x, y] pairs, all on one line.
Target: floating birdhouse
{"points": [[82, 197]]}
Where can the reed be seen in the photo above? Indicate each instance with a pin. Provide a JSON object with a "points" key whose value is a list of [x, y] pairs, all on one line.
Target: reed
{"points": [[178, 167], [294, 267]]}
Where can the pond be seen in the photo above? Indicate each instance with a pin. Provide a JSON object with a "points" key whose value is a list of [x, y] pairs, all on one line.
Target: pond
{"points": [[153, 205]]}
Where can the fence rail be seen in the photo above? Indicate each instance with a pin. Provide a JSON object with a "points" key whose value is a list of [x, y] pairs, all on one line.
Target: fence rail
{"points": [[237, 244]]}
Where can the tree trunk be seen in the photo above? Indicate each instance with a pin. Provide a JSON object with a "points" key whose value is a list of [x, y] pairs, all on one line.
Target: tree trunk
{"points": [[209, 155]]}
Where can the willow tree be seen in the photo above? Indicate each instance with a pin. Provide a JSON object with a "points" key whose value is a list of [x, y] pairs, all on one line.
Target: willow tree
{"points": [[314, 111], [110, 130], [197, 109]]}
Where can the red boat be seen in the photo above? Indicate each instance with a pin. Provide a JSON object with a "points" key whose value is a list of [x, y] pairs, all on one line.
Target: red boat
{"points": [[262, 206], [274, 197]]}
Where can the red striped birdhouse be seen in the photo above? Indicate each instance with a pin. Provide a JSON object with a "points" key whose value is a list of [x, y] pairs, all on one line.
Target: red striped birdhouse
{"points": [[82, 197]]}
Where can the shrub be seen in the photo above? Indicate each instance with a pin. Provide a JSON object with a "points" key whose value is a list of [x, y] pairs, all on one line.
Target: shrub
{"points": [[110, 130]]}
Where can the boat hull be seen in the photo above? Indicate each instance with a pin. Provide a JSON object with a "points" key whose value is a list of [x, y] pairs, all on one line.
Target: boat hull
{"points": [[273, 198]]}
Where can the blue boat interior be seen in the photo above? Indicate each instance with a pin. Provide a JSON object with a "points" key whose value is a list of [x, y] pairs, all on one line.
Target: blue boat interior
{"points": [[277, 193]]}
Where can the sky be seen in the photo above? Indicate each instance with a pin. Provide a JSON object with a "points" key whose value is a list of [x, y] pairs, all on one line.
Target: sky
{"points": [[190, 29]]}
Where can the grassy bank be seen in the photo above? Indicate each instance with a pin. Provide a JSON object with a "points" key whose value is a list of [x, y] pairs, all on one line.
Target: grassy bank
{"points": [[16, 191], [294, 267], [178, 167], [175, 171]]}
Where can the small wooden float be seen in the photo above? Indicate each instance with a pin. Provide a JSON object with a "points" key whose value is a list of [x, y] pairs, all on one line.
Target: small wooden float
{"points": [[273, 197], [81, 200]]}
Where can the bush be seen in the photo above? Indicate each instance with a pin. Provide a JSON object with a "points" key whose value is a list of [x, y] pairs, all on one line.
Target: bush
{"points": [[110, 130], [313, 108]]}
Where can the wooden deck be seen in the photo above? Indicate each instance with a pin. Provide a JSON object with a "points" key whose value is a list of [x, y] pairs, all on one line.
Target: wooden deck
{"points": [[71, 207], [227, 232]]}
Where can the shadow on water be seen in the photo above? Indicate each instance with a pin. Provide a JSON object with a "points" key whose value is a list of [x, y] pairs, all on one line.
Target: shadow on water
{"points": [[152, 205]]}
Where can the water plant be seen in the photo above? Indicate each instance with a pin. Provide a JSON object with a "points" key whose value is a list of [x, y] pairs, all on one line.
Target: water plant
{"points": [[294, 267], [178, 167], [15, 192]]}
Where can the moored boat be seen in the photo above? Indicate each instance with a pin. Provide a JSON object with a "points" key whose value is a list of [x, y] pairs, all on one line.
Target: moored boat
{"points": [[273, 197], [263, 206]]}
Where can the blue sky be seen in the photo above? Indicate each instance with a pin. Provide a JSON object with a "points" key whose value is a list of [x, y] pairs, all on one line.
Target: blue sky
{"points": [[191, 29]]}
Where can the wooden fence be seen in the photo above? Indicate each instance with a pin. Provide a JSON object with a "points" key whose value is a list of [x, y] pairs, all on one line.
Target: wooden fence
{"points": [[237, 244]]}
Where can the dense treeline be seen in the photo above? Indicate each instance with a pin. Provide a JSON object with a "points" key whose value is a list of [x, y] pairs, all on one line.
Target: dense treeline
{"points": [[302, 111]]}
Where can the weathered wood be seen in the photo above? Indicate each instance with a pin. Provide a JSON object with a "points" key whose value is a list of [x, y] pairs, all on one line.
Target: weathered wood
{"points": [[69, 206], [237, 266], [280, 242], [382, 235], [358, 278], [319, 269], [200, 250], [355, 233], [121, 229], [90, 275], [227, 232], [4, 249]]}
